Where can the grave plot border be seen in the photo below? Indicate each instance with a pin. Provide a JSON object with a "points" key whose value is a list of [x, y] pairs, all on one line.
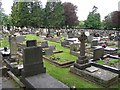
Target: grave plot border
{"points": [[64, 64]]}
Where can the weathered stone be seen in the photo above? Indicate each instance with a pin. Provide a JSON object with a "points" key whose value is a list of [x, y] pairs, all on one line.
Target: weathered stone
{"points": [[32, 61], [98, 53], [44, 44]]}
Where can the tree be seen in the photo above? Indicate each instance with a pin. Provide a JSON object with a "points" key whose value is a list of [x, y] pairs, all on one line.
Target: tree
{"points": [[3, 16], [93, 21], [36, 13], [116, 19], [27, 14], [112, 20], [54, 14], [71, 18]]}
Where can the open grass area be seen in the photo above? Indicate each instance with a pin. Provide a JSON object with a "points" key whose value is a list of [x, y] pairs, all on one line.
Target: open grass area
{"points": [[33, 37]]}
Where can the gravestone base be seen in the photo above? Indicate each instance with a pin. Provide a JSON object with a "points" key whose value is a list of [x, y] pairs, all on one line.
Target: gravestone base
{"points": [[100, 76], [82, 60], [82, 66], [33, 72], [43, 80]]}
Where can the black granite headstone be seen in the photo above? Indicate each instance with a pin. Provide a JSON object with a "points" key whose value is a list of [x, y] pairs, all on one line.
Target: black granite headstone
{"points": [[31, 43], [33, 61]]}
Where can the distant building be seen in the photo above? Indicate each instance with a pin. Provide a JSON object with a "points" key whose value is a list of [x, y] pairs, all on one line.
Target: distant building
{"points": [[119, 6]]}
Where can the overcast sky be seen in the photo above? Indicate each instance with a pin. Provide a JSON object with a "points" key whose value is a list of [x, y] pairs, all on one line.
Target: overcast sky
{"points": [[84, 6]]}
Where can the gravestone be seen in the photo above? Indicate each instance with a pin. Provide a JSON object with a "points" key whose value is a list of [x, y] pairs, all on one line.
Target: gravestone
{"points": [[20, 38], [52, 47], [32, 61], [31, 43], [44, 44], [94, 43], [90, 38], [34, 73], [48, 51], [82, 61], [70, 34], [98, 53], [13, 46]]}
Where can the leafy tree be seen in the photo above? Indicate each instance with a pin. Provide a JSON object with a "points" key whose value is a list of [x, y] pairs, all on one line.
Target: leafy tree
{"points": [[3, 16], [116, 19], [27, 14], [71, 18], [35, 10], [54, 14], [112, 20], [93, 21]]}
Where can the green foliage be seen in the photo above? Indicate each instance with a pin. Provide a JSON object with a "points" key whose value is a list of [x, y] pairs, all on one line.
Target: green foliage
{"points": [[27, 14], [112, 20], [93, 21], [53, 15]]}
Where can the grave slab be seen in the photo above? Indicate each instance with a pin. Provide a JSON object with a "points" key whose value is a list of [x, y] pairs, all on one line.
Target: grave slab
{"points": [[44, 81]]}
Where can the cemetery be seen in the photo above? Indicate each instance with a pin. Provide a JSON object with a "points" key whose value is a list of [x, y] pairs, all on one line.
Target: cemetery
{"points": [[49, 48]]}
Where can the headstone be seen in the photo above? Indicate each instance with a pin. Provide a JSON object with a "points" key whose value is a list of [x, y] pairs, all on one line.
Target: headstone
{"points": [[33, 61], [44, 44], [82, 59], [98, 53], [70, 34], [94, 43], [13, 46], [20, 38], [31, 43], [52, 47], [48, 51], [90, 38]]}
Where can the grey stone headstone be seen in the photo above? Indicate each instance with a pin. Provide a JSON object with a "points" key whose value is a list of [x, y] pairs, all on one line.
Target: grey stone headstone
{"points": [[52, 47], [98, 53], [33, 61], [13, 46], [31, 43], [20, 38], [44, 44], [49, 52], [90, 38], [94, 43]]}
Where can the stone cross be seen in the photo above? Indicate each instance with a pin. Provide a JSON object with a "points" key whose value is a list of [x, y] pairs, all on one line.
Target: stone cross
{"points": [[82, 39]]}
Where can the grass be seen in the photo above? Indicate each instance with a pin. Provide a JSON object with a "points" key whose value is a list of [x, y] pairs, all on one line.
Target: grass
{"points": [[33, 37], [4, 43], [100, 62], [65, 54], [68, 78], [63, 74]]}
